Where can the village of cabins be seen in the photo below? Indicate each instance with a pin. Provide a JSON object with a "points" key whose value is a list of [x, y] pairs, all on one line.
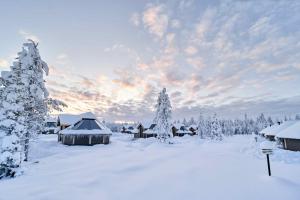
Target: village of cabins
{"points": [[86, 129]]}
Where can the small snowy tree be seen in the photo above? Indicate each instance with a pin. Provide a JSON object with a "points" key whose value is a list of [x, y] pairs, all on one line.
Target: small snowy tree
{"points": [[261, 122], [191, 121], [270, 121], [163, 116], [184, 122], [201, 127], [216, 131]]}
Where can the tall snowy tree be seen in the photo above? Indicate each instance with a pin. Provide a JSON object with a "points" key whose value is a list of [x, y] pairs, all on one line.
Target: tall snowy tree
{"points": [[163, 116], [12, 122], [36, 108]]}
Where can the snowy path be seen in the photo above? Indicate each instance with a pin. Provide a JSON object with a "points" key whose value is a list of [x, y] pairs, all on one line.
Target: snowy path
{"points": [[143, 169]]}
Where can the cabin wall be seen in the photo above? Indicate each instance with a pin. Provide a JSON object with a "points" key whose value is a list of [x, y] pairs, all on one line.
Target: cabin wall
{"points": [[292, 144], [84, 139]]}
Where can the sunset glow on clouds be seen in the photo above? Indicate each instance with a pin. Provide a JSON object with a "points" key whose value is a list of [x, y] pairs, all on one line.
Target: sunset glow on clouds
{"points": [[112, 58]]}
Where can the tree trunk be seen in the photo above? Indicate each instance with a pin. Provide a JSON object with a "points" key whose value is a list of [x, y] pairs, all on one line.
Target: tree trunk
{"points": [[26, 146]]}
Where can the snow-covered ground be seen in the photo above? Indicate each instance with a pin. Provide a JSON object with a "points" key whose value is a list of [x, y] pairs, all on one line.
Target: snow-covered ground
{"points": [[145, 169]]}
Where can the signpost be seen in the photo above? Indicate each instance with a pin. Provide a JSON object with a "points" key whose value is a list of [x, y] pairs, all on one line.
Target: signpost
{"points": [[268, 152]]}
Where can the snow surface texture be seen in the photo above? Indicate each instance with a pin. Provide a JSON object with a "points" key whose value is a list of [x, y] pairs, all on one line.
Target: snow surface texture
{"points": [[191, 168]]}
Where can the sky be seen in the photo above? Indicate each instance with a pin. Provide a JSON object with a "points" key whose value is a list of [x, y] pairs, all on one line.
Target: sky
{"points": [[113, 57]]}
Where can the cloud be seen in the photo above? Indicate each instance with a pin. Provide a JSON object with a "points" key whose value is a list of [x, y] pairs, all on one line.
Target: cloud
{"points": [[26, 35], [156, 20], [191, 50], [175, 23], [135, 19], [3, 63]]}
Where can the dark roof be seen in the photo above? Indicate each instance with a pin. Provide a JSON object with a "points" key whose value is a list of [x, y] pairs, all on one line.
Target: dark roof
{"points": [[152, 126], [87, 124]]}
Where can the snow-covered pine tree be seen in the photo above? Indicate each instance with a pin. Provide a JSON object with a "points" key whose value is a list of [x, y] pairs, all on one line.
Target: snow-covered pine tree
{"points": [[201, 127], [12, 121], [184, 122], [32, 75], [261, 122], [216, 131], [192, 121], [163, 116], [270, 121]]}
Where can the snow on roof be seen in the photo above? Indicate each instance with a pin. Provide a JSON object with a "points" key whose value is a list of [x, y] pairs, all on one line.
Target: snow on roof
{"points": [[291, 132], [51, 119], [68, 119], [273, 130], [194, 126], [88, 115], [87, 126]]}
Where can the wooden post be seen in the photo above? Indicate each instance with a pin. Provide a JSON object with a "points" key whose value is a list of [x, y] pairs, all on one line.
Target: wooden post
{"points": [[90, 139], [285, 146], [269, 168]]}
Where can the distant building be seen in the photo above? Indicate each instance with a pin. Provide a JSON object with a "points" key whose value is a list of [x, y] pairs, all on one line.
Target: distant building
{"points": [[271, 131], [290, 137], [144, 131], [127, 129], [180, 130], [87, 131], [50, 126], [193, 129]]}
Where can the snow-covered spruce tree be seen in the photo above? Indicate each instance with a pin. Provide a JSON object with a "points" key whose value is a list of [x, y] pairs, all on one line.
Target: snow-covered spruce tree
{"points": [[201, 127], [191, 121], [163, 116], [184, 122], [36, 108], [216, 131], [261, 122], [12, 121], [270, 121]]}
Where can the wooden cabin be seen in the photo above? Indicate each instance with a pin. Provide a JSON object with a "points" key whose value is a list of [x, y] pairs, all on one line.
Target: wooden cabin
{"points": [[138, 131], [127, 129], [87, 131], [193, 129], [143, 131], [290, 137], [271, 131], [180, 130], [50, 126]]}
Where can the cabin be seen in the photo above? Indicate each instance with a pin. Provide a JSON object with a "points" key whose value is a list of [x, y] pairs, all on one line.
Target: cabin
{"points": [[290, 137], [138, 131], [180, 130], [271, 131], [50, 126], [87, 131], [193, 129], [127, 129], [144, 131], [150, 132]]}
